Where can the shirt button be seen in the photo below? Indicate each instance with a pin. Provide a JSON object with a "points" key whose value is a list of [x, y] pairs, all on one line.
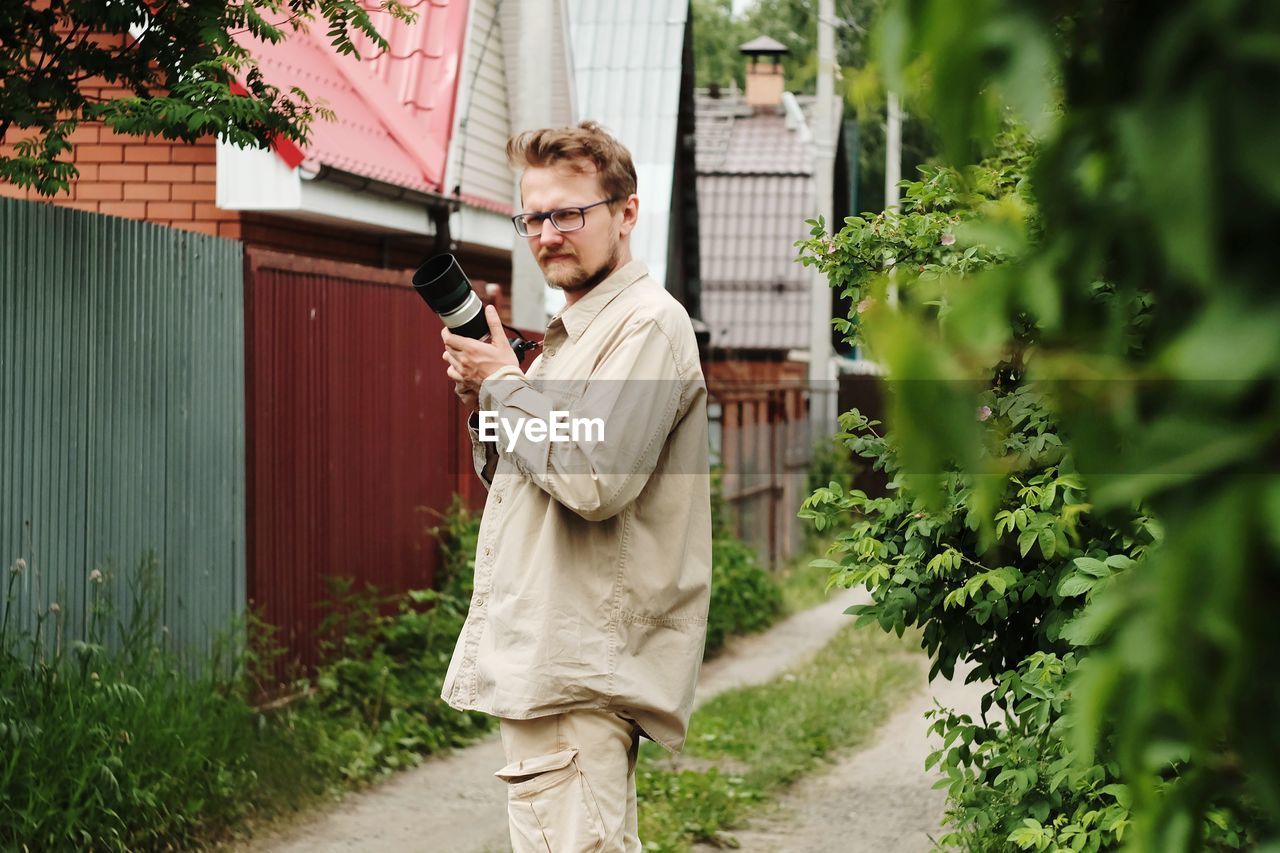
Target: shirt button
{"points": [[497, 498], [488, 552], [551, 352]]}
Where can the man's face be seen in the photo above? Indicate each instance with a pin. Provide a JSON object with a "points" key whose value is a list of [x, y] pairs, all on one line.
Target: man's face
{"points": [[577, 260]]}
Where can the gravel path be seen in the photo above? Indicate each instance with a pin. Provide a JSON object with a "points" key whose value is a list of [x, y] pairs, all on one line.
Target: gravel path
{"points": [[878, 799], [453, 804]]}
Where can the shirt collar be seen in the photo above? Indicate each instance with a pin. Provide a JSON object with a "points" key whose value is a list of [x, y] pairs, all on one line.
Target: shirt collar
{"points": [[576, 317]]}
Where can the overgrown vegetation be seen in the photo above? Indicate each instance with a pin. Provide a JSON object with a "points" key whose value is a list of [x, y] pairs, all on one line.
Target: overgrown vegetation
{"points": [[115, 750], [374, 704], [747, 744], [120, 748], [1039, 521], [123, 748], [1149, 282]]}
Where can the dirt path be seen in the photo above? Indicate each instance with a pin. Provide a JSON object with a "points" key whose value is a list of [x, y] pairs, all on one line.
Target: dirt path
{"points": [[878, 798], [453, 804]]}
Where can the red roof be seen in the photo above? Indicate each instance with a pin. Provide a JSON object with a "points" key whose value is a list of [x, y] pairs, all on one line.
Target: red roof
{"points": [[394, 108]]}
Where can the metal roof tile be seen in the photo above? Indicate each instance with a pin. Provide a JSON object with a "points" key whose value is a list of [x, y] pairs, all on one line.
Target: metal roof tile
{"points": [[756, 187], [394, 108]]}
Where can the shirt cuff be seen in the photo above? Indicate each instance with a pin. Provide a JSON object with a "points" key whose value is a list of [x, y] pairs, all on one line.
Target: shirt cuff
{"points": [[499, 385]]}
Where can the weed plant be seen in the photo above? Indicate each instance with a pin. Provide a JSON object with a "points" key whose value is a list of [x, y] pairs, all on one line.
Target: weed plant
{"points": [[115, 750], [374, 703], [115, 742]]}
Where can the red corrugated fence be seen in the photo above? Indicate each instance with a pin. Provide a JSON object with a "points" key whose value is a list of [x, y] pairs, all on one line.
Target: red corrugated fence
{"points": [[354, 436]]}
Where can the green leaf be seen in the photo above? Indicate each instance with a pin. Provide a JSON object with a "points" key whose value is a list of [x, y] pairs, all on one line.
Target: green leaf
{"points": [[1048, 542], [1092, 567], [1026, 541], [1075, 585]]}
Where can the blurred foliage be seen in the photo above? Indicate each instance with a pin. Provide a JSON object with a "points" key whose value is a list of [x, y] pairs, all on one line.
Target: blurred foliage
{"points": [[1158, 189], [177, 70], [992, 539]]}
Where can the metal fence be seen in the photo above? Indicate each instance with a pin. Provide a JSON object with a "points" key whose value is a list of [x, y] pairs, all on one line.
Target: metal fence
{"points": [[121, 418], [357, 439]]}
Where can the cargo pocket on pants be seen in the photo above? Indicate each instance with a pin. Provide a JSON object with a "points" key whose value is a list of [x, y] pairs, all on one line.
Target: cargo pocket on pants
{"points": [[551, 805]]}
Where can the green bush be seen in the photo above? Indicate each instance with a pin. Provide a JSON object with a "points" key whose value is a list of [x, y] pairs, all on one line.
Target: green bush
{"points": [[998, 568], [119, 746], [744, 597], [1139, 294]]}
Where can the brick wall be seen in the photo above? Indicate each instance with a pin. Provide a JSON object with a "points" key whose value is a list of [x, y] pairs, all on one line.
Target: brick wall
{"points": [[174, 183], [159, 180]]}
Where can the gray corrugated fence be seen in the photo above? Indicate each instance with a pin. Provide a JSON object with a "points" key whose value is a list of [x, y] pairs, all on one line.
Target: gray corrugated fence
{"points": [[121, 416]]}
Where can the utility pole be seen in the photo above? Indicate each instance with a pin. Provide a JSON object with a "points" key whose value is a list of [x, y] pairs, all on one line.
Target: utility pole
{"points": [[892, 153], [892, 171], [822, 398]]}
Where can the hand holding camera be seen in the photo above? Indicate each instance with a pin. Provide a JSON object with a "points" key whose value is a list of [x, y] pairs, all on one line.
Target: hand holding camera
{"points": [[472, 361], [475, 340]]}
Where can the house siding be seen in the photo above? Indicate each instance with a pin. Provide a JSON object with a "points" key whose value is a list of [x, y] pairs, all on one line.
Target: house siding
{"points": [[479, 165]]}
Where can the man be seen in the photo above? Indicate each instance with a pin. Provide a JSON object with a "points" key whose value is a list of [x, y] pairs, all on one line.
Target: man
{"points": [[593, 564]]}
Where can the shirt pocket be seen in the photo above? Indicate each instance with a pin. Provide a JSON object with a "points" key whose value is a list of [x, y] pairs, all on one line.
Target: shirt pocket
{"points": [[550, 804]]}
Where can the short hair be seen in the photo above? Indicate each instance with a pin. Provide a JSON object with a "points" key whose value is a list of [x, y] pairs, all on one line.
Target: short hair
{"points": [[586, 141]]}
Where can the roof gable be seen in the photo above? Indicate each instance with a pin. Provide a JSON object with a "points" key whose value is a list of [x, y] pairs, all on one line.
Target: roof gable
{"points": [[394, 108]]}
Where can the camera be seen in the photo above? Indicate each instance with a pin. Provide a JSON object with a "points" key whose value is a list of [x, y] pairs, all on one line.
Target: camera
{"points": [[447, 291], [445, 288]]}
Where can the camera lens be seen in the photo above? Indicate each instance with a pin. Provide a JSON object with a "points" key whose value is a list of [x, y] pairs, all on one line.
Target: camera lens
{"points": [[443, 285]]}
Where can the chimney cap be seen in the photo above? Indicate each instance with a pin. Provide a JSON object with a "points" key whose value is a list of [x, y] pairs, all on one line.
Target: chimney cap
{"points": [[763, 46]]}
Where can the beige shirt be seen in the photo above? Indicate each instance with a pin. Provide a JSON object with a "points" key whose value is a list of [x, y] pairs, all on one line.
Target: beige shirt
{"points": [[593, 565]]}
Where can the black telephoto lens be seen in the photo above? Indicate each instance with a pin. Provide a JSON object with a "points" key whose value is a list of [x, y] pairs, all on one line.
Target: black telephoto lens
{"points": [[443, 285]]}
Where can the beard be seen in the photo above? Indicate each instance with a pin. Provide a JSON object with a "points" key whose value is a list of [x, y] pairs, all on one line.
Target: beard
{"points": [[574, 278]]}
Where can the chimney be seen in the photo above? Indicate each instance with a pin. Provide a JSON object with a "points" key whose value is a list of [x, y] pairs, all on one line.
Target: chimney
{"points": [[764, 73]]}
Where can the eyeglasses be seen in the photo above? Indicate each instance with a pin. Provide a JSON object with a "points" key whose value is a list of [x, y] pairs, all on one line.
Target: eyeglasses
{"points": [[564, 219]]}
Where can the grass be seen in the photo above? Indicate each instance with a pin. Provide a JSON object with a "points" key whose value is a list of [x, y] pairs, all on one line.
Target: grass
{"points": [[746, 745], [114, 745], [803, 585]]}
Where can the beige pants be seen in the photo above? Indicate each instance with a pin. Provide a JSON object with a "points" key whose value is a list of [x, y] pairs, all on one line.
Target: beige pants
{"points": [[571, 782]]}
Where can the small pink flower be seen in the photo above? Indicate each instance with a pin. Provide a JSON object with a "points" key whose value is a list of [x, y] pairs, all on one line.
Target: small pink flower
{"points": [[54, 608], [984, 413], [863, 306], [95, 576], [948, 239], [19, 566]]}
